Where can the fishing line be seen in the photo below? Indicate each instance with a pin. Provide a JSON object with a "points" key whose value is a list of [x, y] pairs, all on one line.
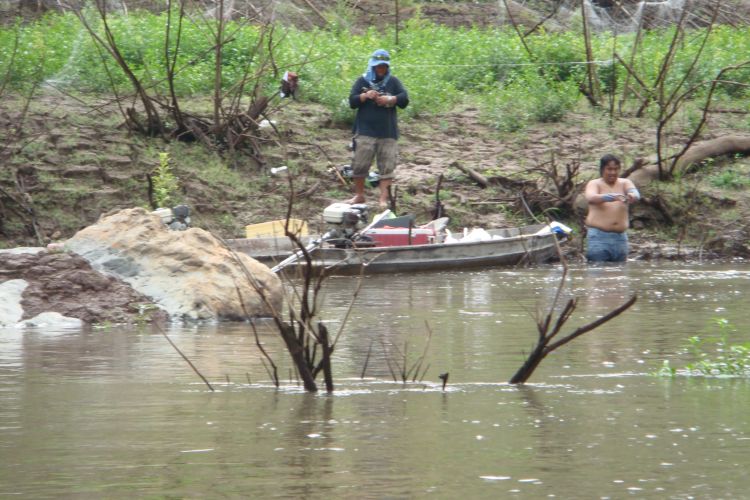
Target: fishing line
{"points": [[564, 63]]}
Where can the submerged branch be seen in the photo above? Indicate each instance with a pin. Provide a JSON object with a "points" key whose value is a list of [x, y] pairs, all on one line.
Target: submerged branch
{"points": [[161, 330]]}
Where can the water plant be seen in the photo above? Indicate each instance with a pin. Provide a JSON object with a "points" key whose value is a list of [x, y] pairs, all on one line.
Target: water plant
{"points": [[713, 355]]}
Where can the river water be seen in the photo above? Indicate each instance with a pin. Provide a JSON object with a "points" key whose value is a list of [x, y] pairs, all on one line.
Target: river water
{"points": [[116, 413]]}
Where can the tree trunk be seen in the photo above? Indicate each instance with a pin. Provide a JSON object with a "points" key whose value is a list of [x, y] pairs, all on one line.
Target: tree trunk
{"points": [[700, 151], [296, 351]]}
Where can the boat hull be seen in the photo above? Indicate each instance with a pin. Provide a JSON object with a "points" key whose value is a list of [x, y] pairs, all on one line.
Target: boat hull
{"points": [[518, 246]]}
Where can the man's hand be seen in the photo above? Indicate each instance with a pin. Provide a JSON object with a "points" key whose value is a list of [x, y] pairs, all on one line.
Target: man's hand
{"points": [[369, 94], [614, 197], [385, 100], [633, 195]]}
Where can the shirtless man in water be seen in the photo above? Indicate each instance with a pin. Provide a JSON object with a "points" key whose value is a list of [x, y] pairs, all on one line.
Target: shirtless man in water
{"points": [[607, 220]]}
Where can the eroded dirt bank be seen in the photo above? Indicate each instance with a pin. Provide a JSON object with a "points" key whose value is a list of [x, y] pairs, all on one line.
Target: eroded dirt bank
{"points": [[65, 283]]}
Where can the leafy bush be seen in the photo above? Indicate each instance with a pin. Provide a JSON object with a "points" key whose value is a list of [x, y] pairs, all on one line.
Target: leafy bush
{"points": [[714, 356], [440, 66], [527, 98]]}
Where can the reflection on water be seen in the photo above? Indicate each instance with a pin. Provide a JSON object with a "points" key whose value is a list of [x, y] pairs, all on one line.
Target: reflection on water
{"points": [[116, 413]]}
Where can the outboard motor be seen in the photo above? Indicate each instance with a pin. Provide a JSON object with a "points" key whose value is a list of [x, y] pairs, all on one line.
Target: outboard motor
{"points": [[344, 220], [345, 223]]}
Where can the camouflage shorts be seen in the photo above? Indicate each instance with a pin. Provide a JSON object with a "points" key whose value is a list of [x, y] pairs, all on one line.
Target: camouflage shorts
{"points": [[368, 148]]}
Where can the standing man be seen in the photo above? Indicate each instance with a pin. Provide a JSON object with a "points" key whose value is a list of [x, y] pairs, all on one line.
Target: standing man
{"points": [[608, 198], [375, 96]]}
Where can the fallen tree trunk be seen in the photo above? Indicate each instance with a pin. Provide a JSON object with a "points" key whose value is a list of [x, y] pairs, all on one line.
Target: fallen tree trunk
{"points": [[700, 151]]}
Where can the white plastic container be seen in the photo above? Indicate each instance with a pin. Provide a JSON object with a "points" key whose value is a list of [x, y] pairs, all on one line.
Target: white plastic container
{"points": [[165, 214]]}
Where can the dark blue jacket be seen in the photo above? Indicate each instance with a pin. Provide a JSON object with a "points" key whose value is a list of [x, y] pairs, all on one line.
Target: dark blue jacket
{"points": [[373, 120]]}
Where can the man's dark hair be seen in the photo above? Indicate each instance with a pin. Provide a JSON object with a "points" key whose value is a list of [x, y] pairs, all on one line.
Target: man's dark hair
{"points": [[606, 159]]}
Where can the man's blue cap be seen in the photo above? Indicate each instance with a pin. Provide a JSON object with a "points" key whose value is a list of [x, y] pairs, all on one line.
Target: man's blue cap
{"points": [[379, 57]]}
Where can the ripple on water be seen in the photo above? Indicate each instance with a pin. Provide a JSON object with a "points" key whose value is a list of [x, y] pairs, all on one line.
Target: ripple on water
{"points": [[125, 399]]}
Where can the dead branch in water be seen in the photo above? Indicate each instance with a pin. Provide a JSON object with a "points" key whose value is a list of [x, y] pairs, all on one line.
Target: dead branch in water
{"points": [[406, 369], [187, 360], [544, 345], [549, 327], [274, 373], [304, 335]]}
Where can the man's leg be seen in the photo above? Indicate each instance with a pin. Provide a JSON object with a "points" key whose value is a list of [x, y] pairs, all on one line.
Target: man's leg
{"points": [[597, 247], [387, 155], [363, 156], [384, 198], [359, 191], [605, 246]]}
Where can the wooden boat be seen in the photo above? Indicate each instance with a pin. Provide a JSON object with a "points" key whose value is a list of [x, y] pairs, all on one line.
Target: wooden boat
{"points": [[513, 247]]}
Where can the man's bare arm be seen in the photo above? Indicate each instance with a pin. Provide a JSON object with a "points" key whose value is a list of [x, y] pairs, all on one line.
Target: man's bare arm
{"points": [[631, 191], [594, 198]]}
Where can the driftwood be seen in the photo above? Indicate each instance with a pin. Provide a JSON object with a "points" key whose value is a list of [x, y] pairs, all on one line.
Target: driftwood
{"points": [[496, 180], [556, 190], [698, 152], [565, 183], [473, 174]]}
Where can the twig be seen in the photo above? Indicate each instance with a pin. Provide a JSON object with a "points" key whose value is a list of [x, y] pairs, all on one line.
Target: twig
{"points": [[388, 361], [367, 359], [444, 378], [526, 206], [161, 330], [315, 9]]}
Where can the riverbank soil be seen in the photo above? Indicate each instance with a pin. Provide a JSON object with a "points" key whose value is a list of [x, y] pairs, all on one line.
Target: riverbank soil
{"points": [[68, 158], [73, 161], [66, 283]]}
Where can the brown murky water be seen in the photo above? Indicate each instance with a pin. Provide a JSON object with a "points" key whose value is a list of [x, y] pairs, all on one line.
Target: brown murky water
{"points": [[115, 413]]}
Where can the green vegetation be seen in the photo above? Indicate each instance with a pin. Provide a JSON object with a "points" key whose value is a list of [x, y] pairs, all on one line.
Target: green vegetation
{"points": [[486, 74], [166, 186], [713, 355], [730, 179], [439, 65]]}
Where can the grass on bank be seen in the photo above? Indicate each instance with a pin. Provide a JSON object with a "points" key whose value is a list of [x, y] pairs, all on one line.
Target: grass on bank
{"points": [[439, 65], [442, 67]]}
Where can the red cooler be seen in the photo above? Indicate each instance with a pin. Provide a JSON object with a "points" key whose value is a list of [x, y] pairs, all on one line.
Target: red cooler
{"points": [[387, 236]]}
